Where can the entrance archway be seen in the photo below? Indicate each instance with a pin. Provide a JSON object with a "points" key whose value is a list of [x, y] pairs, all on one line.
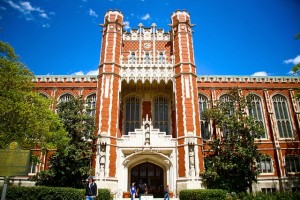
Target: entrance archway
{"points": [[151, 175]]}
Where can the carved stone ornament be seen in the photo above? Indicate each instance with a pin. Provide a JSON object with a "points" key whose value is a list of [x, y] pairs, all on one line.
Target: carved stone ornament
{"points": [[147, 45]]}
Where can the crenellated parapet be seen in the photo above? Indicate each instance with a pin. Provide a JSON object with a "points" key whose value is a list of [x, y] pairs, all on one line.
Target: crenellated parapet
{"points": [[163, 70], [147, 34], [248, 79], [65, 79]]}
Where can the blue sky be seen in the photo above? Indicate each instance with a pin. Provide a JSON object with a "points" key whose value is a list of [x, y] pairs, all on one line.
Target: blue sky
{"points": [[231, 37]]}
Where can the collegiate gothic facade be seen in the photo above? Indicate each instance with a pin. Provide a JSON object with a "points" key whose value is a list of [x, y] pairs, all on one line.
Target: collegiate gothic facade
{"points": [[147, 101]]}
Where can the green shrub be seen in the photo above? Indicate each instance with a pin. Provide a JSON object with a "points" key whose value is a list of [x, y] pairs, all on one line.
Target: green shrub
{"points": [[50, 193], [43, 193], [273, 196], [208, 194], [104, 194]]}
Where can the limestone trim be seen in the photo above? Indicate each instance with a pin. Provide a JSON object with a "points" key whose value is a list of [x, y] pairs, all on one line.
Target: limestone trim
{"points": [[200, 78], [248, 79], [65, 79]]}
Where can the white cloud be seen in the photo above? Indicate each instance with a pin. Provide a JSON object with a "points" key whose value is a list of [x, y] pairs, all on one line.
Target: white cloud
{"points": [[92, 13], [78, 73], [92, 72], [44, 15], [126, 25], [260, 74], [27, 9], [81, 73], [145, 17], [52, 13], [15, 6], [295, 60], [45, 25], [2, 8]]}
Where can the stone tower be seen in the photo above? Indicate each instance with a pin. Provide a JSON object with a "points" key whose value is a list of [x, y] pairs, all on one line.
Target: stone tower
{"points": [[107, 116], [186, 100]]}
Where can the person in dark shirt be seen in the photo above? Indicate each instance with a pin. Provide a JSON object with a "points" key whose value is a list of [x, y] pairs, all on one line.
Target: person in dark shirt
{"points": [[91, 189]]}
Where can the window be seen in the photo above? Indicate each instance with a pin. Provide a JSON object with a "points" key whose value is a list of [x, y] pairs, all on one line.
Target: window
{"points": [[132, 57], [255, 111], [147, 58], [226, 100], [282, 116], [33, 167], [266, 166], [34, 162], [65, 97], [268, 190], [161, 114], [91, 105], [161, 57], [292, 164], [203, 105], [132, 117]]}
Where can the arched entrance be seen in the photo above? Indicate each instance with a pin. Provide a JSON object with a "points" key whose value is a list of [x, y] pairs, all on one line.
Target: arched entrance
{"points": [[151, 175]]}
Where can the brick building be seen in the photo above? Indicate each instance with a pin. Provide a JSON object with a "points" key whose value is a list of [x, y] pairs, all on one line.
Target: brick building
{"points": [[147, 101]]}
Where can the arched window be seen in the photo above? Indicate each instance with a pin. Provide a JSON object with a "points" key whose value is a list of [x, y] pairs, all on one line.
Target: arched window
{"points": [[265, 166], [132, 117], [203, 105], [65, 97], [282, 116], [147, 58], [161, 114], [255, 111], [43, 95], [226, 99], [132, 57], [91, 105]]}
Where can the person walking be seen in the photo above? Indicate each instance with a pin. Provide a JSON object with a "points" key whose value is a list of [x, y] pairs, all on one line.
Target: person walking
{"points": [[132, 191], [91, 189], [166, 195]]}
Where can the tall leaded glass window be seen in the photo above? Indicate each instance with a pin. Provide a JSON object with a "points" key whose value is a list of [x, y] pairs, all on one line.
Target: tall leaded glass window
{"points": [[292, 163], [132, 117], [203, 105], [91, 105], [282, 116], [226, 100], [65, 98], [161, 114], [256, 111]]}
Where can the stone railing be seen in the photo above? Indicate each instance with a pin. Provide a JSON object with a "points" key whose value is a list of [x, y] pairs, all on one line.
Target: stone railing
{"points": [[155, 71]]}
